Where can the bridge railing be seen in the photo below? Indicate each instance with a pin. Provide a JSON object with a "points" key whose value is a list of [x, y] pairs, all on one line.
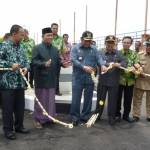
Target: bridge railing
{"points": [[136, 35]]}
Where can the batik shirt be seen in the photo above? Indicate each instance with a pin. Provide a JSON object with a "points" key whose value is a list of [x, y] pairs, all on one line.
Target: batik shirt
{"points": [[11, 53], [58, 42], [65, 57], [128, 78], [28, 46]]}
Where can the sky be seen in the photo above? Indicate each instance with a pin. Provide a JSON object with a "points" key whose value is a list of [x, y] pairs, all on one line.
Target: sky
{"points": [[37, 14]]}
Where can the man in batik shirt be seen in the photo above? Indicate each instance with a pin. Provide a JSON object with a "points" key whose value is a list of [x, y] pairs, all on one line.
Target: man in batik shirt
{"points": [[127, 80], [12, 55]]}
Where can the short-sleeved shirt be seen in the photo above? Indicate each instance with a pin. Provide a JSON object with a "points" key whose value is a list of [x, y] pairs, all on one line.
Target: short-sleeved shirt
{"points": [[58, 42]]}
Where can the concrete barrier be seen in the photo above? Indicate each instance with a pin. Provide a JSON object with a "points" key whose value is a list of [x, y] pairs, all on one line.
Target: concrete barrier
{"points": [[62, 102], [65, 80]]}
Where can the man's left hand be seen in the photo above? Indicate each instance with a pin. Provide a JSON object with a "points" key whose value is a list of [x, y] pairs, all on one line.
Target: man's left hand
{"points": [[24, 70]]}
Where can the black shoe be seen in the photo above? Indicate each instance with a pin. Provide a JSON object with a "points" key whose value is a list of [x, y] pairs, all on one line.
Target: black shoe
{"points": [[59, 94], [22, 130], [10, 135], [98, 118], [148, 119], [136, 119], [128, 119], [118, 118], [82, 122], [75, 123]]}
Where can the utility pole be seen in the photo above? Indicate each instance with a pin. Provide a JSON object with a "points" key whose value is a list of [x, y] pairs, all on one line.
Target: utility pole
{"points": [[86, 17], [74, 28], [145, 35], [116, 15], [146, 15], [60, 27]]}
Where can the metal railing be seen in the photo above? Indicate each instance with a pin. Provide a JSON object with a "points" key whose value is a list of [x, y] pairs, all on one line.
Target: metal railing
{"points": [[136, 35]]}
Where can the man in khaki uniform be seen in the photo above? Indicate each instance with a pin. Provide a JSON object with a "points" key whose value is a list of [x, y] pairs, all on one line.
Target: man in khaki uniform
{"points": [[142, 84]]}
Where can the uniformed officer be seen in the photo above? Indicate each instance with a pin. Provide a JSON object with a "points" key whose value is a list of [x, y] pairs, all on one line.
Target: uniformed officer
{"points": [[85, 58], [109, 81], [142, 84]]}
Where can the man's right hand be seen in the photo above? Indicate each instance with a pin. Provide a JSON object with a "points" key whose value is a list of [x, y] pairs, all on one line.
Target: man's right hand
{"points": [[48, 63], [104, 69], [88, 69], [132, 69], [15, 67]]}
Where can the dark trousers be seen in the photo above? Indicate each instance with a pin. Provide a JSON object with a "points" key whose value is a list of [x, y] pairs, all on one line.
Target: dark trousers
{"points": [[57, 79], [31, 74], [77, 90], [13, 103], [102, 91], [128, 94]]}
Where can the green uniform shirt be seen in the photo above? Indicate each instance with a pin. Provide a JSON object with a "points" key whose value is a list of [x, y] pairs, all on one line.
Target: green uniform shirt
{"points": [[28, 46], [58, 42], [1, 39], [128, 78]]}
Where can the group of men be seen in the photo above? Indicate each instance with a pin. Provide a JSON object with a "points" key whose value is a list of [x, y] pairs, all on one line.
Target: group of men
{"points": [[121, 73], [18, 55], [46, 61]]}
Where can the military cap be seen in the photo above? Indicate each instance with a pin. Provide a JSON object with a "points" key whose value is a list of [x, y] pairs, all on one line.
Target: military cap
{"points": [[87, 35], [46, 30], [110, 38]]}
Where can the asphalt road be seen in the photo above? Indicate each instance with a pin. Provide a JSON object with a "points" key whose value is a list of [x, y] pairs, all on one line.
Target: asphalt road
{"points": [[102, 136]]}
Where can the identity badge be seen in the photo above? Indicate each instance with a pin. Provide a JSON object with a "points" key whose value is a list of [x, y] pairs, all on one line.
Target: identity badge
{"points": [[80, 58]]}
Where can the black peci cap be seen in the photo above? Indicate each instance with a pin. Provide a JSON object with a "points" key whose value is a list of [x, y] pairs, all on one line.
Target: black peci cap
{"points": [[46, 30]]}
